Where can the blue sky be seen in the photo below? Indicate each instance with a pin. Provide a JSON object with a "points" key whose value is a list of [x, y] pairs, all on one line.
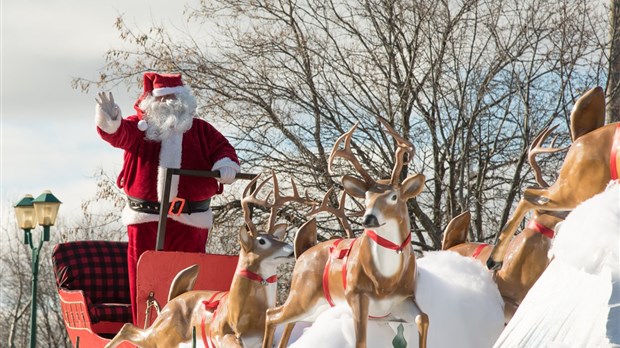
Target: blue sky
{"points": [[48, 139]]}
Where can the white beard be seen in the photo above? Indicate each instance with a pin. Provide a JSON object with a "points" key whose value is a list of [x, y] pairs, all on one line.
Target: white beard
{"points": [[165, 118]]}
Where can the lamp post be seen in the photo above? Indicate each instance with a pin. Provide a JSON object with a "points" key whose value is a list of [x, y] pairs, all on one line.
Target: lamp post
{"points": [[28, 211]]}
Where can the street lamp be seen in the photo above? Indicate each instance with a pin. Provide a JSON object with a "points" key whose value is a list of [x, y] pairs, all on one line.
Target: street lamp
{"points": [[28, 211]]}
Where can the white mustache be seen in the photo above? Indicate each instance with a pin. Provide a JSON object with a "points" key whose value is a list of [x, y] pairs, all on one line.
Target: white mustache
{"points": [[166, 117]]}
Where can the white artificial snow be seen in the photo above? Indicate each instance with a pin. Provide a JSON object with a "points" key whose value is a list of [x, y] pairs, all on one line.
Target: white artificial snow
{"points": [[576, 301]]}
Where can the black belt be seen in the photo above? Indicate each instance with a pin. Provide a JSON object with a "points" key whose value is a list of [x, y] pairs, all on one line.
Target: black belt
{"points": [[151, 207]]}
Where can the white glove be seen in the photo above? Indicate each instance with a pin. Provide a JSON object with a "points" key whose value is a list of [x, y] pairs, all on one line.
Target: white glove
{"points": [[106, 105], [227, 175], [107, 113]]}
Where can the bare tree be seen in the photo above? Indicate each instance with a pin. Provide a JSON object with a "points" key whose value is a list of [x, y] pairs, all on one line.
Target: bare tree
{"points": [[16, 278], [100, 220], [613, 83], [469, 82]]}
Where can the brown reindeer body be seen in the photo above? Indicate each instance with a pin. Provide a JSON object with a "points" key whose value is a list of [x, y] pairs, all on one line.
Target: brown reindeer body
{"points": [[587, 169], [377, 279], [238, 320], [525, 261], [386, 279], [378, 267]]}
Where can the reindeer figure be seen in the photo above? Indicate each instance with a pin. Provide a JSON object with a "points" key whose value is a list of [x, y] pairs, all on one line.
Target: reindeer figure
{"points": [[371, 274], [591, 162], [225, 319], [527, 254], [525, 261]]}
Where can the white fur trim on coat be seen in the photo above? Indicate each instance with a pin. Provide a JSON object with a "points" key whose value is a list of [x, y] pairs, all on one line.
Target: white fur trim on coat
{"points": [[169, 157], [225, 162], [201, 220]]}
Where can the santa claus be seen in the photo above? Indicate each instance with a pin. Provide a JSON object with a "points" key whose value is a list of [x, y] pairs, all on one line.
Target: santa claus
{"points": [[165, 133]]}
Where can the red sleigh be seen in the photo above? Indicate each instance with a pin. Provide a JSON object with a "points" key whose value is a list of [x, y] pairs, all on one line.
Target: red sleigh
{"points": [[91, 279]]}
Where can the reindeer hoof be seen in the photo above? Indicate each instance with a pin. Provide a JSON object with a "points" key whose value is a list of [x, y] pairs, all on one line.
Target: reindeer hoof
{"points": [[493, 265]]}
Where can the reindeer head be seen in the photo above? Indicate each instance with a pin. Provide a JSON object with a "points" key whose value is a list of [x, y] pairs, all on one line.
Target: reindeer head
{"points": [[268, 250], [385, 200], [266, 247]]}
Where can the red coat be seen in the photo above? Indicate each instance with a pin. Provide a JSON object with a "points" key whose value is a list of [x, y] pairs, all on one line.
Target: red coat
{"points": [[200, 148]]}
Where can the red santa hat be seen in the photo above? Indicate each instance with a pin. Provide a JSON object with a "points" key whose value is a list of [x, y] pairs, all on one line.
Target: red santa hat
{"points": [[157, 85]]}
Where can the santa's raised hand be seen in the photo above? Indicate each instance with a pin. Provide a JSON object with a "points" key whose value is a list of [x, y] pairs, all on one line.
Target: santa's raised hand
{"points": [[107, 113], [105, 104]]}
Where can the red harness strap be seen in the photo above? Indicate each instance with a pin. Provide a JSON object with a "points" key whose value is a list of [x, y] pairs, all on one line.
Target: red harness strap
{"points": [[388, 244], [613, 158], [256, 277], [343, 254], [479, 250], [344, 264], [335, 254], [210, 305], [544, 230]]}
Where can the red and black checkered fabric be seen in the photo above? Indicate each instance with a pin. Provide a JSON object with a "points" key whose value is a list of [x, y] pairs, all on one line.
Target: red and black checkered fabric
{"points": [[99, 268]]}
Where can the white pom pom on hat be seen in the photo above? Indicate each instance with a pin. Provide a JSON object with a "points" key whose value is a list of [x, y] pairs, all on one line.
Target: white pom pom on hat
{"points": [[142, 125]]}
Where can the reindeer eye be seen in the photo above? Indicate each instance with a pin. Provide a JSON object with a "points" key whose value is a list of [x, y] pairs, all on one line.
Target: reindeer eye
{"points": [[394, 197], [261, 241]]}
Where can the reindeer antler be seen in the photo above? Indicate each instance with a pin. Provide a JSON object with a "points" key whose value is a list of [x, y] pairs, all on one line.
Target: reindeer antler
{"points": [[536, 148], [338, 212], [403, 147], [252, 198], [278, 201], [348, 155], [403, 154]]}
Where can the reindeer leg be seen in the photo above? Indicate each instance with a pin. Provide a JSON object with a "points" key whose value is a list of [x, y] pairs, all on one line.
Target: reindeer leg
{"points": [[359, 306], [291, 311], [533, 198], [273, 314], [499, 250], [421, 321], [409, 311], [128, 333], [286, 335], [231, 341]]}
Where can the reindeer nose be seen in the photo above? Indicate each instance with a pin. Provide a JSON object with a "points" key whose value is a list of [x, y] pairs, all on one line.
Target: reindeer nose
{"points": [[371, 221]]}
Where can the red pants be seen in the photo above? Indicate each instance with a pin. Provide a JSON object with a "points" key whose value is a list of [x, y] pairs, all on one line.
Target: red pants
{"points": [[143, 237]]}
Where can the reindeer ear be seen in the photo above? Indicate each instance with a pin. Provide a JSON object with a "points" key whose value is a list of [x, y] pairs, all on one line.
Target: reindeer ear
{"points": [[412, 186], [279, 230], [354, 187], [183, 282], [245, 239], [456, 231], [305, 237]]}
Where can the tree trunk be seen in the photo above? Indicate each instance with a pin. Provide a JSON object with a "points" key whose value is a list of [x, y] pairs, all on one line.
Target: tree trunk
{"points": [[613, 83]]}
